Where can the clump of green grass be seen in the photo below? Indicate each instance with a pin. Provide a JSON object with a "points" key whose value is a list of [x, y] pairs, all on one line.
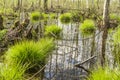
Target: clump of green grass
{"points": [[30, 52], [53, 16], [105, 74], [35, 16], [65, 18], [14, 72], [45, 16], [114, 16], [53, 31], [76, 17], [87, 27]]}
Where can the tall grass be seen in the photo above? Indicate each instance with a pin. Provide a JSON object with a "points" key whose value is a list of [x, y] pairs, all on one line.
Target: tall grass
{"points": [[30, 52], [14, 72], [87, 27], [105, 74], [65, 18], [53, 31], [38, 16]]}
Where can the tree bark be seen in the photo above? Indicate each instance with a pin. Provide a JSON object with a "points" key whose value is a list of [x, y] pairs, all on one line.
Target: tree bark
{"points": [[105, 31], [45, 5], [87, 4]]}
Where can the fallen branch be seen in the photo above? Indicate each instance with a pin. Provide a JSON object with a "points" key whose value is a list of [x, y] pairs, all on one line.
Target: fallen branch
{"points": [[89, 59], [79, 65]]}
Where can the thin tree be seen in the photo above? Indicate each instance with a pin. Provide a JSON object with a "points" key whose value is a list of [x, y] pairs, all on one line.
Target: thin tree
{"points": [[87, 4], [105, 31], [45, 5]]}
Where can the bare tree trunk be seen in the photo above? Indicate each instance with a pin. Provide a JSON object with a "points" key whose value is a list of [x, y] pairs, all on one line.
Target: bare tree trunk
{"points": [[87, 4], [45, 5], [119, 3], [18, 3], [39, 3], [105, 32], [1, 23]]}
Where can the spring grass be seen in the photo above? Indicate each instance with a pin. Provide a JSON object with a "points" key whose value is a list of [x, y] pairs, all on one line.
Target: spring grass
{"points": [[35, 16], [114, 16], [53, 31], [30, 52], [87, 27], [65, 18], [53, 16], [105, 74], [76, 17], [14, 72], [38, 16]]}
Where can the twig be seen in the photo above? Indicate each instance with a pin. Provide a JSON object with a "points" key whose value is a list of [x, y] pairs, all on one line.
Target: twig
{"points": [[89, 59]]}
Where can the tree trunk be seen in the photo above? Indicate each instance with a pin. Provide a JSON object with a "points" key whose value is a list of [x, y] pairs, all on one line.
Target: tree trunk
{"points": [[105, 32], [39, 3], [87, 4], [45, 5], [1, 23]]}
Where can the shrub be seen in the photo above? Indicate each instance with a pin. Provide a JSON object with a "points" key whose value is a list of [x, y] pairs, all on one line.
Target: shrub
{"points": [[65, 18], [87, 27], [105, 74], [53, 31], [30, 52]]}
